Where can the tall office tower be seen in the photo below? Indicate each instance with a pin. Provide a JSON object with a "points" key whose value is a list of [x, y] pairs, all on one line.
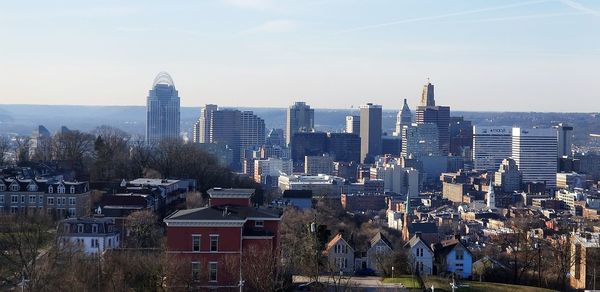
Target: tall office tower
{"points": [[564, 137], [370, 132], [404, 118], [461, 137], [225, 129], [343, 146], [202, 126], [491, 145], [308, 144], [534, 151], [353, 124], [162, 107], [276, 137], [252, 132], [40, 147], [428, 112], [420, 140], [300, 118]]}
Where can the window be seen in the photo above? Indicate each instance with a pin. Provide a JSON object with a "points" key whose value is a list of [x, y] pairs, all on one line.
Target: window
{"points": [[14, 209], [110, 242], [71, 212], [212, 271], [14, 199], [32, 187], [459, 254], [71, 200], [95, 228], [14, 187], [80, 228], [195, 270], [50, 190], [23, 199], [259, 224], [50, 200], [40, 199], [32, 199], [195, 242], [95, 242], [214, 243], [1, 199], [72, 189], [2, 188], [61, 189]]}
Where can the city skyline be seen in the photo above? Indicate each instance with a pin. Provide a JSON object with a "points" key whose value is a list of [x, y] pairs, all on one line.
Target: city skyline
{"points": [[330, 54]]}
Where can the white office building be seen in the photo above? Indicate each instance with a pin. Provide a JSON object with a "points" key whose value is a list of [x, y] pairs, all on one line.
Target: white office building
{"points": [[534, 150], [491, 145]]}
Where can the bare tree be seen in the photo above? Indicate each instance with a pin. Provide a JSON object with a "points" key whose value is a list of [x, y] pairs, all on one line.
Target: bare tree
{"points": [[5, 148], [111, 154], [143, 229], [22, 148]]}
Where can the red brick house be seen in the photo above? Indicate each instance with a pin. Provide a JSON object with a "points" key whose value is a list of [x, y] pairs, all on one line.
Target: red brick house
{"points": [[211, 243]]}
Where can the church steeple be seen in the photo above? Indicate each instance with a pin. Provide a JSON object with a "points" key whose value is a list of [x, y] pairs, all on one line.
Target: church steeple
{"points": [[491, 197], [407, 219]]}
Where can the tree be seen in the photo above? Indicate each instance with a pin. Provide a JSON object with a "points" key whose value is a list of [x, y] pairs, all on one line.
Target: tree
{"points": [[4, 150], [75, 148], [22, 149], [143, 230], [24, 240], [112, 159]]}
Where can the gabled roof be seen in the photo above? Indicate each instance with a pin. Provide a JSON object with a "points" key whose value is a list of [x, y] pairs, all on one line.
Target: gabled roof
{"points": [[335, 240], [379, 237], [443, 248], [415, 240]]}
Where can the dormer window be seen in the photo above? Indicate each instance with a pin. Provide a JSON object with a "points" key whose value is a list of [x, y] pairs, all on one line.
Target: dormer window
{"points": [[95, 228], [72, 189], [2, 188], [61, 189], [50, 189], [32, 188], [80, 228], [14, 187], [259, 224]]}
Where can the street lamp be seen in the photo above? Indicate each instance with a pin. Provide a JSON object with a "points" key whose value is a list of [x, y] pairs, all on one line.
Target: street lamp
{"points": [[392, 271]]}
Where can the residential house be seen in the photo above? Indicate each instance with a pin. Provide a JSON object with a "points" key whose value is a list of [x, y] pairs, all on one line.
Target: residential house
{"points": [[420, 255], [340, 255], [380, 248], [453, 257], [210, 242], [91, 235]]}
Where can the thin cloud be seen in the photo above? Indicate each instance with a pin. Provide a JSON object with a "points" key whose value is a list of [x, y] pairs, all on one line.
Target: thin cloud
{"points": [[435, 17], [274, 26], [520, 17], [578, 6]]}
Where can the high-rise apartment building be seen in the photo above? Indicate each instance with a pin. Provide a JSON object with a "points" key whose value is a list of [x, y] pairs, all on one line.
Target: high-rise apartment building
{"points": [[162, 110], [534, 150], [201, 133], [253, 133], [565, 139], [404, 118], [353, 124], [370, 132], [491, 145], [428, 112], [300, 118]]}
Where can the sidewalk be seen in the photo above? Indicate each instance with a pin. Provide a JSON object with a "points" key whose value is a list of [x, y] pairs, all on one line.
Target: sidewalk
{"points": [[354, 282]]}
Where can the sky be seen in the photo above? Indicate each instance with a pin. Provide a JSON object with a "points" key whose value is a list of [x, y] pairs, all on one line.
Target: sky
{"points": [[486, 55]]}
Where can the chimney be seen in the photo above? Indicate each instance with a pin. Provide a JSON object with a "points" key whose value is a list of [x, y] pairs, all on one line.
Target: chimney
{"points": [[418, 234]]}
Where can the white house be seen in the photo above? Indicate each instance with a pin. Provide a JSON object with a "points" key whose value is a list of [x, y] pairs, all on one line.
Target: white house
{"points": [[90, 235], [453, 257], [340, 255], [420, 255], [380, 248]]}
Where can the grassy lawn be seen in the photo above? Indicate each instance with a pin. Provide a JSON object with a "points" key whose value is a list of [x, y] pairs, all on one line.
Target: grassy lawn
{"points": [[408, 281], [442, 284]]}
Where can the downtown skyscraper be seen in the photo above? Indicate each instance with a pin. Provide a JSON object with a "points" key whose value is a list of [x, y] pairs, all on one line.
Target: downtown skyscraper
{"points": [[300, 118], [162, 110], [428, 112], [534, 150], [491, 145], [370, 132]]}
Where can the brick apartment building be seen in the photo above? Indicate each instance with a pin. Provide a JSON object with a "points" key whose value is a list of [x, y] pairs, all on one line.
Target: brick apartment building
{"points": [[212, 242]]}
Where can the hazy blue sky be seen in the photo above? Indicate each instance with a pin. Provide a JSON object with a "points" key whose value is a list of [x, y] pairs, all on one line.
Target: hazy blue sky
{"points": [[481, 55]]}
